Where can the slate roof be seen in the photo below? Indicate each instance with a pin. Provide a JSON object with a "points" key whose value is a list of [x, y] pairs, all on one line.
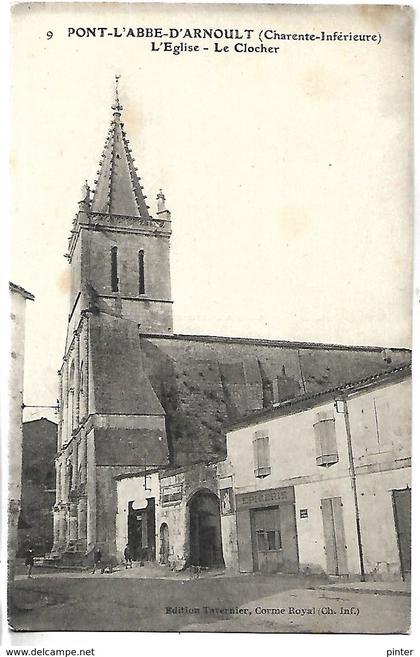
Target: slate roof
{"points": [[18, 289], [120, 385], [118, 189], [307, 401]]}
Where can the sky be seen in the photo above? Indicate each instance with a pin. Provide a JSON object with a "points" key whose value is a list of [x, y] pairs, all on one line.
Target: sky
{"points": [[288, 175]]}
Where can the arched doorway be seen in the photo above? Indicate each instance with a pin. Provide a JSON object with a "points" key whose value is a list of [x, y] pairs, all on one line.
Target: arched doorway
{"points": [[164, 543], [205, 530]]}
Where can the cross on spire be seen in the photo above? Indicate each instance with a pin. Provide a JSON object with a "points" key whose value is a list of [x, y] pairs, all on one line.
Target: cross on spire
{"points": [[117, 107]]}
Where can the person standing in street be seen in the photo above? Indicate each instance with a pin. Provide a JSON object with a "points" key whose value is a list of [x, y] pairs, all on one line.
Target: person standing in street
{"points": [[29, 561], [127, 557], [97, 560]]}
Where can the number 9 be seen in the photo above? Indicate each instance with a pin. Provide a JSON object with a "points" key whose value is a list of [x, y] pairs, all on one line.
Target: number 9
{"points": [[49, 34]]}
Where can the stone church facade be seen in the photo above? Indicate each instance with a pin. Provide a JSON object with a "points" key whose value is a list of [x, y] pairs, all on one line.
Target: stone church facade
{"points": [[135, 397]]}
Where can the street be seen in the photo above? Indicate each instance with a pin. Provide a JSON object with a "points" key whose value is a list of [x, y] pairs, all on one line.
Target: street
{"points": [[153, 599]]}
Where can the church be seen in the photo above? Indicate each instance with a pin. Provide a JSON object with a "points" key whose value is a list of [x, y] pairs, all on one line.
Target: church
{"points": [[138, 402]]}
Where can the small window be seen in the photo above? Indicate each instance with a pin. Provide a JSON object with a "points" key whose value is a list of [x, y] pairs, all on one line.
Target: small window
{"points": [[261, 454], [114, 269], [273, 540], [325, 439], [262, 541], [142, 287]]}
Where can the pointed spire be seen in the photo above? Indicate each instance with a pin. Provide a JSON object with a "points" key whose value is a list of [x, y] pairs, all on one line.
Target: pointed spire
{"points": [[117, 188]]}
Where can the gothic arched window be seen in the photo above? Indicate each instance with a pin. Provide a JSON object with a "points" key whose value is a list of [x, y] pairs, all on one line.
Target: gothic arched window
{"points": [[114, 269], [142, 288]]}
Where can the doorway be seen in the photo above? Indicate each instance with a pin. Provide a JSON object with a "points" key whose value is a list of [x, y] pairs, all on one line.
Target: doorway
{"points": [[335, 543], [267, 541], [205, 530], [141, 531], [401, 502]]}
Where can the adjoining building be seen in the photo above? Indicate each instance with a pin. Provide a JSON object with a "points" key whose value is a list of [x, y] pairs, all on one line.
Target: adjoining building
{"points": [[18, 298], [322, 483], [38, 486], [171, 516], [137, 398]]}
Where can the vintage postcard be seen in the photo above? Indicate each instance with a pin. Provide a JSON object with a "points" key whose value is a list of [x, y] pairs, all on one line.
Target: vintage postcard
{"points": [[211, 281]]}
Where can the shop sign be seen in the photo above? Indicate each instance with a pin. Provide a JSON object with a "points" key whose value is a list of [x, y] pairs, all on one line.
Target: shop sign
{"points": [[171, 494], [268, 497]]}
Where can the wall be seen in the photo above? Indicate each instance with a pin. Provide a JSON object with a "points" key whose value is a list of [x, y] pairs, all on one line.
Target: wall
{"points": [[38, 485], [17, 347], [289, 435], [97, 269], [91, 266], [381, 424], [18, 298], [226, 479], [310, 530], [381, 437], [176, 514], [379, 537]]}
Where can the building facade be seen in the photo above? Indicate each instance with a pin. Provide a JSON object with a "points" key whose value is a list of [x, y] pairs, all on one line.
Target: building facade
{"points": [[135, 396], [322, 483], [18, 298], [38, 486], [171, 516]]}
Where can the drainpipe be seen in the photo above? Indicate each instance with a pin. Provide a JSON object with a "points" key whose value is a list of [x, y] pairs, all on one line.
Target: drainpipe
{"points": [[354, 487]]}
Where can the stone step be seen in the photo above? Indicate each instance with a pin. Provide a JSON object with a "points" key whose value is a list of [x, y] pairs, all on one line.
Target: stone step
{"points": [[69, 559]]}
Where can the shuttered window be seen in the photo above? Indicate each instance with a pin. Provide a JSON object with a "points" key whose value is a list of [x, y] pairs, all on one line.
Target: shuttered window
{"points": [[261, 454], [325, 439]]}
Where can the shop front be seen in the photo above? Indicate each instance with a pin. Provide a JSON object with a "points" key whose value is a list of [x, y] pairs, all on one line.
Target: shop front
{"points": [[267, 536]]}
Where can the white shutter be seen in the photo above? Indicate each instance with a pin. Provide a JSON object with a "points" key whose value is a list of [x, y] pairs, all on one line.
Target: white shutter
{"points": [[261, 447], [326, 452]]}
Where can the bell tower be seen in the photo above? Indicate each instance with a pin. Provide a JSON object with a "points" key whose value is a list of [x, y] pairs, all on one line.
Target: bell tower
{"points": [[118, 251]]}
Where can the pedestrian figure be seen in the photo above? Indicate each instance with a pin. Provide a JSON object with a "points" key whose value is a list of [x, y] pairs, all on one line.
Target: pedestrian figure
{"points": [[97, 561], [29, 561], [127, 557]]}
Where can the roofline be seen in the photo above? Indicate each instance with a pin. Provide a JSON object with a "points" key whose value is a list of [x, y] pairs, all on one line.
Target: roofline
{"points": [[172, 470], [38, 419], [136, 473], [310, 400], [272, 343], [168, 470], [21, 290]]}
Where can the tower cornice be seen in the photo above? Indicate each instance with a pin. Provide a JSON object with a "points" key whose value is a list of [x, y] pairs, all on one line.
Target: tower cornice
{"points": [[160, 227]]}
